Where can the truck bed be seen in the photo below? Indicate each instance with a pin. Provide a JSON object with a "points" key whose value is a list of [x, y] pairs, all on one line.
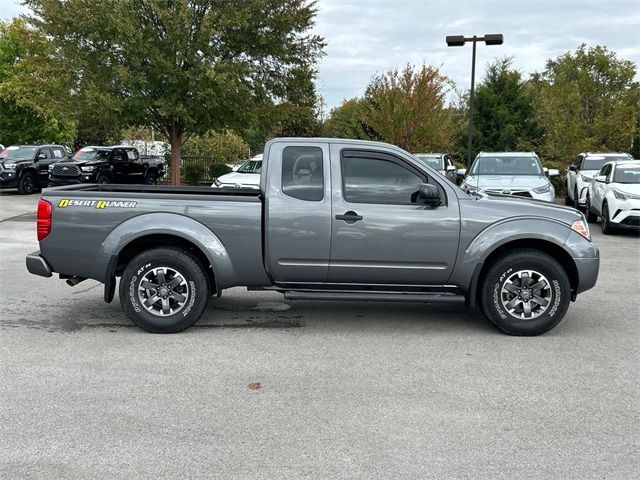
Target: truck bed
{"points": [[88, 220]]}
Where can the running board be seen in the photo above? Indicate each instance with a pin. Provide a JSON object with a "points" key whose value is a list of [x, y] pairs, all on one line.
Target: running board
{"points": [[375, 296]]}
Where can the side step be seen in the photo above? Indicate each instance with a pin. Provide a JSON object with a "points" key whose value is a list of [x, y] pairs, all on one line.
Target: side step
{"points": [[375, 296]]}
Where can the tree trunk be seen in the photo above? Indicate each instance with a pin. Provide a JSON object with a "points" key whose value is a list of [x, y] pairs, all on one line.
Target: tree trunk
{"points": [[176, 134]]}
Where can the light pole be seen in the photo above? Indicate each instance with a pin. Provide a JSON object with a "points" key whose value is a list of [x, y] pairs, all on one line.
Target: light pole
{"points": [[459, 41]]}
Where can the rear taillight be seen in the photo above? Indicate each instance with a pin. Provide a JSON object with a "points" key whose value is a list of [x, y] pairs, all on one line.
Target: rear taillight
{"points": [[43, 219]]}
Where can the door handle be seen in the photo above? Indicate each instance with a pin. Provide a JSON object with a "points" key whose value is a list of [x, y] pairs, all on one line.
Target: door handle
{"points": [[350, 217]]}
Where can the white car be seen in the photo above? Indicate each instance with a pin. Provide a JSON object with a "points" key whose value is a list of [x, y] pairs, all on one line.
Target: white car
{"points": [[581, 173], [519, 174], [247, 176], [614, 196]]}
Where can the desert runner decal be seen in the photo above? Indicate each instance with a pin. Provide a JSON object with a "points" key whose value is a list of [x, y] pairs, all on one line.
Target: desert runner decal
{"points": [[66, 202]]}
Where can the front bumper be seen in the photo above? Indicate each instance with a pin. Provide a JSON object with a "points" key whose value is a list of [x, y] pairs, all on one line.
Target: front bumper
{"points": [[59, 181], [588, 269], [37, 265], [8, 179]]}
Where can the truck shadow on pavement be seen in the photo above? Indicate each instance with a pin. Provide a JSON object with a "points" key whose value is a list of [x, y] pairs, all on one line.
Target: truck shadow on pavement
{"points": [[262, 311]]}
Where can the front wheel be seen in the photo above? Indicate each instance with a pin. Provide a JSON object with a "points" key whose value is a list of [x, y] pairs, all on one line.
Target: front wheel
{"points": [[591, 217], [27, 184], [526, 292], [164, 290], [103, 179], [605, 222], [150, 179]]}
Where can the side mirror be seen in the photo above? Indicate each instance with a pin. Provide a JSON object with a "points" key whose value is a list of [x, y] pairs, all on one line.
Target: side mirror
{"points": [[573, 168], [450, 168], [429, 194], [601, 178], [553, 172], [462, 172], [41, 156]]}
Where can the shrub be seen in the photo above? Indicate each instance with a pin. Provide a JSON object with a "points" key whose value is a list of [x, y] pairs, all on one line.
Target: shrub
{"points": [[219, 169], [193, 173]]}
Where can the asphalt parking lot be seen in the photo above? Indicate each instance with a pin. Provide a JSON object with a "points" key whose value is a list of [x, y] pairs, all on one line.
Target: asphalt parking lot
{"points": [[346, 390]]}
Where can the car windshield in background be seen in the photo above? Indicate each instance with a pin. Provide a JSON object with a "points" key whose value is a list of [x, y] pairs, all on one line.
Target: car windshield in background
{"points": [[506, 166], [251, 166], [432, 161], [627, 174], [596, 163], [85, 154], [18, 153]]}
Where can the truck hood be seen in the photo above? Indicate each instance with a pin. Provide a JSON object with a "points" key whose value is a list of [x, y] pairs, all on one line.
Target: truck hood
{"points": [[507, 206], [236, 178], [512, 182]]}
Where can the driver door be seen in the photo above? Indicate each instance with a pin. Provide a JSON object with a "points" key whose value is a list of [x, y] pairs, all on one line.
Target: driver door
{"points": [[380, 233], [43, 160]]}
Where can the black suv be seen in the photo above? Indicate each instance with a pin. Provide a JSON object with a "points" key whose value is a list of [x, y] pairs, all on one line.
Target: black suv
{"points": [[26, 167], [118, 164]]}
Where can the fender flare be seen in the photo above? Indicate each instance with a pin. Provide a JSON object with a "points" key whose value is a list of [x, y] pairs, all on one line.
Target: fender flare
{"points": [[165, 224], [486, 242]]}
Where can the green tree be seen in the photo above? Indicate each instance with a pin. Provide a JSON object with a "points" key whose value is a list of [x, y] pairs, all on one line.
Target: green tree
{"points": [[224, 147], [587, 100], [25, 117], [184, 67], [504, 116], [407, 108], [345, 121]]}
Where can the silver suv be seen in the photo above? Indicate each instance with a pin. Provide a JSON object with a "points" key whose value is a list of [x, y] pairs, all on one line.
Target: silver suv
{"points": [[510, 173]]}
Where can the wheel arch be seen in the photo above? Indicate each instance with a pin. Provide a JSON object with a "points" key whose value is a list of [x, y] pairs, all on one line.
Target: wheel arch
{"points": [[554, 250], [149, 231]]}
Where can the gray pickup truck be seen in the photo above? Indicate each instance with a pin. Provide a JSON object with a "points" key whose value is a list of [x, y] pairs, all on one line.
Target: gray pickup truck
{"points": [[332, 220]]}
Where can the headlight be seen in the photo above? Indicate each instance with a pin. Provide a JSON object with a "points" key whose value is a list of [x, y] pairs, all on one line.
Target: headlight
{"points": [[543, 189], [586, 179], [582, 228], [9, 166], [469, 188], [87, 169], [217, 182], [625, 195], [51, 167]]}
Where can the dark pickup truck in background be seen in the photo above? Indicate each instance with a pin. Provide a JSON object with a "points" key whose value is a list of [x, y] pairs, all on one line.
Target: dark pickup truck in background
{"points": [[332, 220], [117, 164], [26, 167]]}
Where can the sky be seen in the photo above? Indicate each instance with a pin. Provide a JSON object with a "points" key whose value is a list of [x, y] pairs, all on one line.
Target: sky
{"points": [[369, 37]]}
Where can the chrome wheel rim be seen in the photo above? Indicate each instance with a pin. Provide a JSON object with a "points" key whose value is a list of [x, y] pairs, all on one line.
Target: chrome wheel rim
{"points": [[526, 294], [163, 291]]}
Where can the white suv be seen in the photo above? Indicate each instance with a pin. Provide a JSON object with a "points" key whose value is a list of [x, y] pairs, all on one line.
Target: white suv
{"points": [[581, 173]]}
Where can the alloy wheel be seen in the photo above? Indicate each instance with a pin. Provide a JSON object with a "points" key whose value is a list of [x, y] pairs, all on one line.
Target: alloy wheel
{"points": [[526, 294], [163, 291]]}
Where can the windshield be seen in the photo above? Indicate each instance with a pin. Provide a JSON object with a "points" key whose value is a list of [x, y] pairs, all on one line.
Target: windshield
{"points": [[85, 154], [506, 166], [250, 166], [18, 153], [432, 161], [627, 174], [596, 162]]}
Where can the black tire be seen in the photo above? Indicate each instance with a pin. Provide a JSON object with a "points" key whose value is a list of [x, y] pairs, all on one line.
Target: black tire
{"points": [[576, 200], [591, 217], [507, 267], [605, 222], [567, 199], [143, 268], [27, 184], [103, 178], [150, 179]]}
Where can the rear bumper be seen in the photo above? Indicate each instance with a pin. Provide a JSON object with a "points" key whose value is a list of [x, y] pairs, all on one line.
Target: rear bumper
{"points": [[37, 265]]}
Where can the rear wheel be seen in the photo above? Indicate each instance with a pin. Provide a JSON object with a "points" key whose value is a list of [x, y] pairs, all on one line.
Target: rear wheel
{"points": [[567, 199], [576, 200], [526, 292], [27, 184], [605, 222], [164, 290], [591, 217]]}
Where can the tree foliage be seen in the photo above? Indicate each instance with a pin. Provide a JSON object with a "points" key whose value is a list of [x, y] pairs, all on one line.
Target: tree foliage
{"points": [[24, 116], [504, 118], [586, 100], [345, 121], [224, 147], [182, 66]]}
